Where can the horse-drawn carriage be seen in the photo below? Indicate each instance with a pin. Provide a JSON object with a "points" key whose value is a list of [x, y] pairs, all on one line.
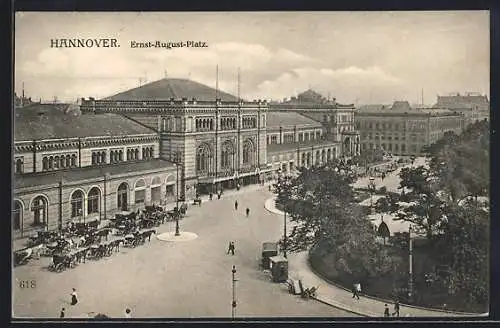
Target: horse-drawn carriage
{"points": [[42, 237], [23, 256], [63, 261]]}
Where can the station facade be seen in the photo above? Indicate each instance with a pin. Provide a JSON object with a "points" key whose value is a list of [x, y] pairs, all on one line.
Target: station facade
{"points": [[167, 140]]}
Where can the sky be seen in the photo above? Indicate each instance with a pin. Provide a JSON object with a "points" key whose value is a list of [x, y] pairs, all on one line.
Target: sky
{"points": [[355, 57]]}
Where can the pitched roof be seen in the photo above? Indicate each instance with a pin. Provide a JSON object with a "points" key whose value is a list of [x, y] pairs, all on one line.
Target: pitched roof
{"points": [[165, 89], [49, 121], [462, 102], [401, 106], [84, 173], [372, 108], [311, 96], [277, 119]]}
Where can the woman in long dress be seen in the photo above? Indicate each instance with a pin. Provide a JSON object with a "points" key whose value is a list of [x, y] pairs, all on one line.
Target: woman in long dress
{"points": [[74, 297]]}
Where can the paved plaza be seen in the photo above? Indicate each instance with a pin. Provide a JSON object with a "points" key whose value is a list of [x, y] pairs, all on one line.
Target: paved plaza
{"points": [[176, 279]]}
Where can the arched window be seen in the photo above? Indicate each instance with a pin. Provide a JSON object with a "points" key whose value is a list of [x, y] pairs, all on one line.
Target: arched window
{"points": [[120, 156], [39, 207], [317, 157], [73, 160], [19, 166], [323, 155], [93, 200], [248, 152], [62, 162], [68, 161], [203, 157], [45, 164], [103, 157], [227, 155], [17, 215], [122, 197], [156, 190], [128, 154], [94, 160], [51, 163], [136, 153], [140, 191], [76, 203], [151, 152], [56, 162]]}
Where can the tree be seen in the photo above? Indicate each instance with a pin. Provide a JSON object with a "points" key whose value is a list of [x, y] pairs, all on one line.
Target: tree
{"points": [[464, 249], [461, 163], [323, 213], [425, 208]]}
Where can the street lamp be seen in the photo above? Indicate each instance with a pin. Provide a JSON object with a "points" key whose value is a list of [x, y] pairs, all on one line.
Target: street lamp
{"points": [[233, 303], [177, 210], [410, 271], [280, 184], [371, 186]]}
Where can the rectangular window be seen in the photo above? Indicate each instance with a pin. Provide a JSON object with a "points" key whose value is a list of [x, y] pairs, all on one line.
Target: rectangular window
{"points": [[93, 204], [178, 125], [274, 139], [140, 196], [318, 135], [301, 137], [156, 194], [170, 191]]}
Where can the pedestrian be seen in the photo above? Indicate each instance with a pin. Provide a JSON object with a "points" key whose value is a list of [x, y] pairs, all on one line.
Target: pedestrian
{"points": [[232, 248], [128, 315], [236, 205], [247, 211], [386, 311], [62, 313], [396, 308], [74, 297], [218, 195], [229, 247], [210, 196], [356, 288]]}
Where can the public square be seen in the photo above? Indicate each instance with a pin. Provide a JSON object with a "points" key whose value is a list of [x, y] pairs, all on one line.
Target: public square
{"points": [[177, 279]]}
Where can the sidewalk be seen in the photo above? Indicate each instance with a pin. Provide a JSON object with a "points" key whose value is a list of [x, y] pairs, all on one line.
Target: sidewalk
{"points": [[341, 298]]}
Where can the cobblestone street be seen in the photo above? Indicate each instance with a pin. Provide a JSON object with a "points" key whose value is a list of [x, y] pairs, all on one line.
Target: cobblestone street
{"points": [[176, 280]]}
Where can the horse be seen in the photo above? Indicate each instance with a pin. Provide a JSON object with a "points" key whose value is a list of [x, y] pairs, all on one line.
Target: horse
{"points": [[148, 234]]}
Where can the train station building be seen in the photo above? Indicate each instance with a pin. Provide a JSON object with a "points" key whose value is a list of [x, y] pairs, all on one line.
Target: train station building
{"points": [[166, 138]]}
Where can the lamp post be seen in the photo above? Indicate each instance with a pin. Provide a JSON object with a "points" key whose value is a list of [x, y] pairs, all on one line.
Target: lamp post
{"points": [[233, 303], [177, 212], [410, 271], [284, 218], [371, 186]]}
